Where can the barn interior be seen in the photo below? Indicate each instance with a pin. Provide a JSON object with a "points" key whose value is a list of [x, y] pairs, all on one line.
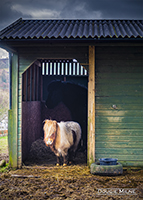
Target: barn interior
{"points": [[56, 90]]}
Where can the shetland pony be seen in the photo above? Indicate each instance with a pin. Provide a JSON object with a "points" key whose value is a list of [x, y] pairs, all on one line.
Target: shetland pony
{"points": [[63, 139], [74, 97]]}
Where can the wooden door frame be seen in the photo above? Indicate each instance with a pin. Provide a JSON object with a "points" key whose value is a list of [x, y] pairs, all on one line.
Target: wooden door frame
{"points": [[91, 107]]}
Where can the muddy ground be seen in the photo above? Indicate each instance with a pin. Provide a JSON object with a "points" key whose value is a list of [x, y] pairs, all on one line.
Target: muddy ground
{"points": [[39, 178]]}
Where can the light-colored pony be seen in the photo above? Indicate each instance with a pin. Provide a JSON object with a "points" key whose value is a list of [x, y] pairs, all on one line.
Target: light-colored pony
{"points": [[63, 138]]}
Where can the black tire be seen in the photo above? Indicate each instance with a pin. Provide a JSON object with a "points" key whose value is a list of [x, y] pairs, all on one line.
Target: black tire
{"points": [[97, 169]]}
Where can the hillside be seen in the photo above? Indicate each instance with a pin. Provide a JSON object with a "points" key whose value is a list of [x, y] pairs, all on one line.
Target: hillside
{"points": [[4, 88]]}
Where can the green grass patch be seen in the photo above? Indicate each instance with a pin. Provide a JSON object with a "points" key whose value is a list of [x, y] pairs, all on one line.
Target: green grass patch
{"points": [[5, 168], [4, 144]]}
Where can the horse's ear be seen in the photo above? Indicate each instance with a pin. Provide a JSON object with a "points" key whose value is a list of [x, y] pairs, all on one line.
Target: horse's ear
{"points": [[46, 120]]}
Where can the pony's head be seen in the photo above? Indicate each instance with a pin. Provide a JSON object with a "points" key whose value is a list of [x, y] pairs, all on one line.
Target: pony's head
{"points": [[50, 131]]}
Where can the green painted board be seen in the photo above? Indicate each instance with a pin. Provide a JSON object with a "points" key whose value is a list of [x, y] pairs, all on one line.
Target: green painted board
{"points": [[120, 156], [114, 138], [105, 119], [119, 104], [120, 113], [113, 100], [120, 151], [120, 132], [119, 125], [119, 144]]}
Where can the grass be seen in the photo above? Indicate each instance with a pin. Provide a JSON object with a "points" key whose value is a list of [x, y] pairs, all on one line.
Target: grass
{"points": [[5, 168], [4, 150], [4, 144]]}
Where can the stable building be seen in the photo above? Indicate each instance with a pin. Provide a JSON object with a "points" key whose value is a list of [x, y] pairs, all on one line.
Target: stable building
{"points": [[106, 56]]}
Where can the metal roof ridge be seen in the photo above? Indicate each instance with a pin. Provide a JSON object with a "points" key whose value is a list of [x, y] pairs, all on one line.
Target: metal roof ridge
{"points": [[9, 26]]}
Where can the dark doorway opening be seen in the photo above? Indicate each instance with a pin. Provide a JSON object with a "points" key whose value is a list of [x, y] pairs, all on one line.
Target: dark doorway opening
{"points": [[45, 80]]}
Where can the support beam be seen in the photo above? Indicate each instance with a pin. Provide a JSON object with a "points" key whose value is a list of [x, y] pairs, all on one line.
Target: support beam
{"points": [[91, 107], [13, 122]]}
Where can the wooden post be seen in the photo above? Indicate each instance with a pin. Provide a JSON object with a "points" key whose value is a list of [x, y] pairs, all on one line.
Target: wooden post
{"points": [[91, 107], [13, 112]]}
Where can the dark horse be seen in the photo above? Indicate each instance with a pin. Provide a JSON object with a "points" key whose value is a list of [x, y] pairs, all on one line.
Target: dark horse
{"points": [[74, 96]]}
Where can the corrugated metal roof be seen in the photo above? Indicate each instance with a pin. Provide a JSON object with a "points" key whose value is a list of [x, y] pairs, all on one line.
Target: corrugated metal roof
{"points": [[73, 29]]}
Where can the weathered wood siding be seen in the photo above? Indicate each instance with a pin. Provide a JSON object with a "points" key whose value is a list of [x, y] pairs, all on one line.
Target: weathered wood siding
{"points": [[119, 104]]}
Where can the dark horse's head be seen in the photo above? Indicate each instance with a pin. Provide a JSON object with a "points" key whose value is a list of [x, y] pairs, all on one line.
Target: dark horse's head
{"points": [[69, 93], [54, 94]]}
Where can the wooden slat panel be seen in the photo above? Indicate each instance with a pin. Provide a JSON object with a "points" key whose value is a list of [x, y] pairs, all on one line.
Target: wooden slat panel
{"points": [[119, 104]]}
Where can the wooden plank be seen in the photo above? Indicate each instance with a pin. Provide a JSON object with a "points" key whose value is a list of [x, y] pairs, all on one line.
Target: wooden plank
{"points": [[120, 113], [119, 100], [119, 87], [91, 106], [120, 151], [123, 120], [120, 56], [118, 144], [118, 125], [119, 106], [119, 49], [119, 93], [120, 157], [132, 163], [119, 81], [120, 132], [113, 75], [112, 138], [13, 118], [130, 68]]}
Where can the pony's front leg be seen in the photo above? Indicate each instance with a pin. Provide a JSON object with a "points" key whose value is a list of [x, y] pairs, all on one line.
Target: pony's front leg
{"points": [[65, 160], [58, 160], [65, 157]]}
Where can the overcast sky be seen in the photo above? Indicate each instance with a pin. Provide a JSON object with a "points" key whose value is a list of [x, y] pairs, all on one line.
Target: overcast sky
{"points": [[11, 10]]}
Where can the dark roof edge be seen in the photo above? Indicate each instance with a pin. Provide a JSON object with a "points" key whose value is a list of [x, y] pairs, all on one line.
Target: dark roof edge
{"points": [[8, 27], [79, 19]]}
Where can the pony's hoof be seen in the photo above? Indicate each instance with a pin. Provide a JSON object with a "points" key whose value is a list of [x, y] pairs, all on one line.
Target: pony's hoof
{"points": [[57, 164], [64, 164]]}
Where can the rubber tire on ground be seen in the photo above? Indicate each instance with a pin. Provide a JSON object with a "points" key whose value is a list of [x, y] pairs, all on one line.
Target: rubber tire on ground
{"points": [[97, 169]]}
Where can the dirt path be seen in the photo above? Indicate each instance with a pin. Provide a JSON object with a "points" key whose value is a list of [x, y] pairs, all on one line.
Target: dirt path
{"points": [[75, 182], [70, 182]]}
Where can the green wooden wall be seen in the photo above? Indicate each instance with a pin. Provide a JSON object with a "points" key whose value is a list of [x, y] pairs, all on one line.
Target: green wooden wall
{"points": [[119, 104]]}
